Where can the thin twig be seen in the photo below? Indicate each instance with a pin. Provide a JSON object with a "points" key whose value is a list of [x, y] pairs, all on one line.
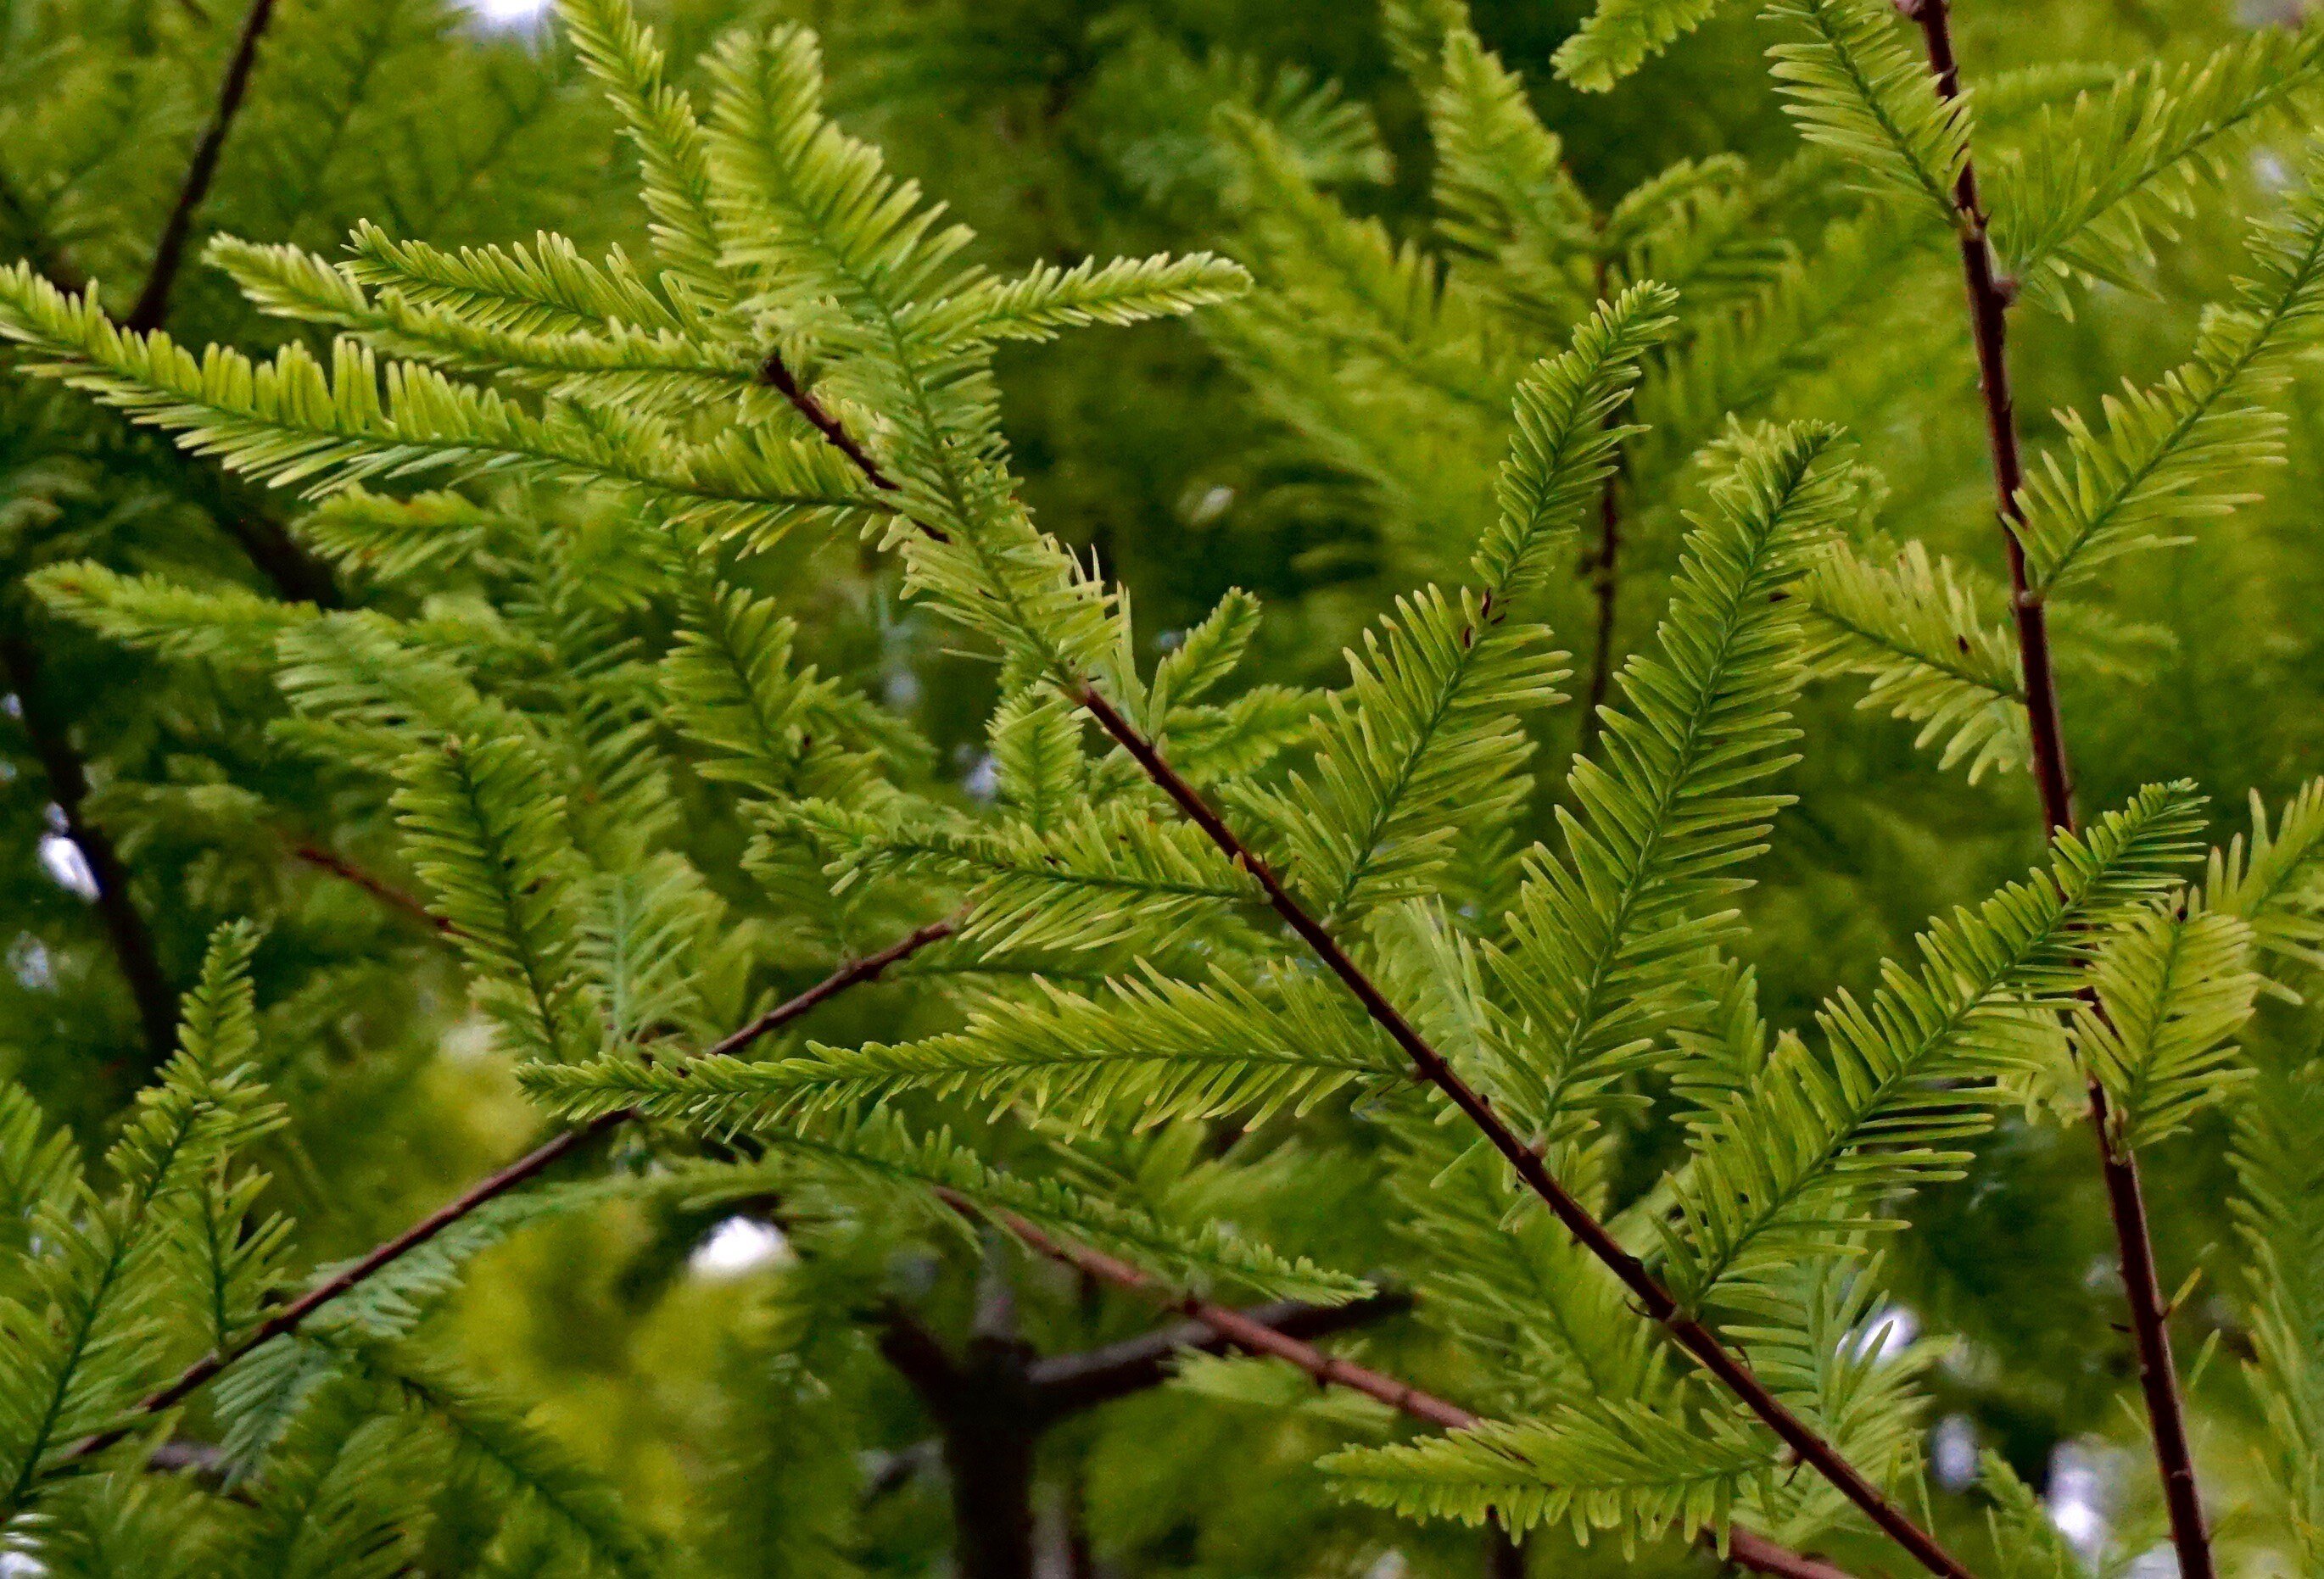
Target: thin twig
{"points": [[386, 893], [124, 925], [777, 376], [299, 575], [530, 1165], [1988, 299], [1653, 1300], [1066, 1384], [1504, 1554], [776, 373], [169, 252], [1239, 1328]]}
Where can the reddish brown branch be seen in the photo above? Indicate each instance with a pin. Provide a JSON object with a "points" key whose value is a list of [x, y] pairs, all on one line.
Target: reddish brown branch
{"points": [[299, 575], [1654, 1300], [1243, 1331], [776, 373], [1988, 301], [777, 376], [1066, 1384], [169, 252], [526, 1168], [855, 973], [1988, 304], [386, 893]]}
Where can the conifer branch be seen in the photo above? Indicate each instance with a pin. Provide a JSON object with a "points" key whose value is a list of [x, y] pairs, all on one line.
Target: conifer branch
{"points": [[1653, 1300], [169, 252], [264, 540], [125, 929], [853, 973], [1252, 1333], [1988, 300]]}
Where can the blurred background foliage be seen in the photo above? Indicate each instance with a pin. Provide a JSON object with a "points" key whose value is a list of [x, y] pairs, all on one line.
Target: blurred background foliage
{"points": [[674, 1348]]}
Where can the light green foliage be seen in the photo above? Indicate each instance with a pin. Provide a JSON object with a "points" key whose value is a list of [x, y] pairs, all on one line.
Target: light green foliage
{"points": [[573, 629], [1596, 937], [336, 1503], [488, 1435], [486, 826], [2038, 1549], [1502, 192], [1912, 627], [2093, 184], [1856, 88], [105, 1278], [932, 1173], [1565, 439], [1813, 307], [2270, 883], [2168, 992], [1090, 879], [1621, 35], [225, 624], [1591, 1466], [1845, 1361], [2168, 452], [1148, 1047], [291, 420], [1429, 713], [2281, 1172], [1820, 1144], [1427, 718]]}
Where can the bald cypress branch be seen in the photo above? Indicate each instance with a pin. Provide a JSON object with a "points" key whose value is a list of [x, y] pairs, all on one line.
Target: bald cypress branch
{"points": [[1988, 301]]}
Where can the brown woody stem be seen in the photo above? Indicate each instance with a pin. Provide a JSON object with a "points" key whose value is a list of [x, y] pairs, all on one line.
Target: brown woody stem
{"points": [[1066, 1384], [169, 252], [1988, 302], [776, 374], [1244, 1331], [386, 893], [1654, 1300], [528, 1167]]}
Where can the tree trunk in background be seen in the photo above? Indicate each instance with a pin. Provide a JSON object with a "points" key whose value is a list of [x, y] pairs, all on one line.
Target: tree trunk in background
{"points": [[990, 1428]]}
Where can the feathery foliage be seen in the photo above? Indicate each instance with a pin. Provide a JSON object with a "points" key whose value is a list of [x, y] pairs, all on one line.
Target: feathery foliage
{"points": [[573, 635], [2165, 448]]}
